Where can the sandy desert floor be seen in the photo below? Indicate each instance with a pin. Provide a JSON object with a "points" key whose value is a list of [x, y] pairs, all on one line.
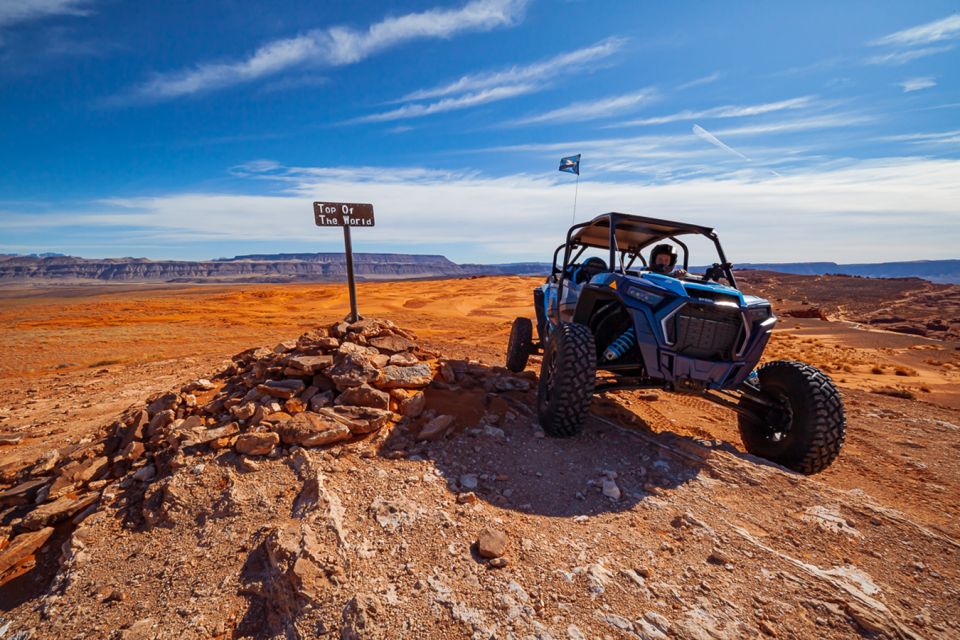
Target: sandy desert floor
{"points": [[75, 357]]}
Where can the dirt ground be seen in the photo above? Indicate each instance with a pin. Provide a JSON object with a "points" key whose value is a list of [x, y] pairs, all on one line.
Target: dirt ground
{"points": [[704, 541]]}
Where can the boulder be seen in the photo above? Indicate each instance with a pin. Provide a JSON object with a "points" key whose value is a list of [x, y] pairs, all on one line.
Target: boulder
{"points": [[392, 343], [359, 420], [282, 388], [413, 406], [352, 370], [403, 359], [364, 396], [312, 430], [392, 376], [257, 443], [309, 365]]}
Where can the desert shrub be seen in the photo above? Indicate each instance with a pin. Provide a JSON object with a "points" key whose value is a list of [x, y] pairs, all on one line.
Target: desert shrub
{"points": [[103, 363], [896, 392]]}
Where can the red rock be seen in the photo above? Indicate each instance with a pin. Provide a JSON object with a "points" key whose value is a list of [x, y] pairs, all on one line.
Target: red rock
{"points": [[491, 543], [309, 364], [413, 406], [132, 451], [360, 420], [418, 375], [23, 493], [282, 388], [364, 396], [403, 359], [258, 443], [22, 547], [436, 428], [164, 403], [312, 430], [52, 512], [392, 344], [209, 435]]}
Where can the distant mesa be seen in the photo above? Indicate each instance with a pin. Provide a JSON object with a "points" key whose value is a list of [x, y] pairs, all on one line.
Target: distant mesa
{"points": [[331, 267]]}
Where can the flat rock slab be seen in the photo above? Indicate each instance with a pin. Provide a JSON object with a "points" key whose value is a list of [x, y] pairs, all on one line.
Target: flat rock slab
{"points": [[309, 429], [23, 493], [52, 512], [282, 388], [8, 440], [360, 420], [21, 548], [309, 364], [413, 377], [392, 344]]}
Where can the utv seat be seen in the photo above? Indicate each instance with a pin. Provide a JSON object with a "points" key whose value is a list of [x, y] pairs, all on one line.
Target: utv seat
{"points": [[586, 271]]}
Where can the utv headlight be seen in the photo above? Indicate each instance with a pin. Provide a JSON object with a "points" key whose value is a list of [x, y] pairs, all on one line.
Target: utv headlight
{"points": [[644, 296], [758, 314]]}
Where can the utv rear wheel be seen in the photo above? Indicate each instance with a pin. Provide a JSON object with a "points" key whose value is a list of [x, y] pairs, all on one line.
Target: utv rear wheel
{"points": [[520, 345], [807, 431], [567, 376]]}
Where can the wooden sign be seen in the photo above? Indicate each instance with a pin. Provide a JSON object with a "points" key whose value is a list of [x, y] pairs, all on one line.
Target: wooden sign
{"points": [[343, 214]]}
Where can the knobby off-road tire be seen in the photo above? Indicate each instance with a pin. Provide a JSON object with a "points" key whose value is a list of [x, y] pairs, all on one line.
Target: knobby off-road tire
{"points": [[520, 344], [817, 425], [567, 375]]}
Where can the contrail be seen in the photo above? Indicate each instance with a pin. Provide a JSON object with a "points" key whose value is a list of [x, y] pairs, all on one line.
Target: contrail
{"points": [[703, 134]]}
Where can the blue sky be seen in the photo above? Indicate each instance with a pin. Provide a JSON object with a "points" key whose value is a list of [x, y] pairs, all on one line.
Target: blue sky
{"points": [[801, 131]]}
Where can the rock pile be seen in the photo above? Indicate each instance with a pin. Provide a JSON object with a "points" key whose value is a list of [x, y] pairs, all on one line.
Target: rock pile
{"points": [[334, 385]]}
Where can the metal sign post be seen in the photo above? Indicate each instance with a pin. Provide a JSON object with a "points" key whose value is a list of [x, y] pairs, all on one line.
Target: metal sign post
{"points": [[346, 215]]}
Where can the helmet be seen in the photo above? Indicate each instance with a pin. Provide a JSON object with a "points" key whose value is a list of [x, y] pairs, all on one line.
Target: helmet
{"points": [[663, 249]]}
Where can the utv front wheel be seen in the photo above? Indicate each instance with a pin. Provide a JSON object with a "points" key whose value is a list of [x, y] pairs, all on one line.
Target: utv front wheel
{"points": [[567, 376], [520, 345], [806, 429]]}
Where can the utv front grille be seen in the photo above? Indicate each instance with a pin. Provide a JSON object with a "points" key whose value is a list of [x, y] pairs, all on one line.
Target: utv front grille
{"points": [[707, 331]]}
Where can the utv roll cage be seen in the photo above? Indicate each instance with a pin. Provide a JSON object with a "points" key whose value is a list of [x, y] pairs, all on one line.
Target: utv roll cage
{"points": [[626, 235]]}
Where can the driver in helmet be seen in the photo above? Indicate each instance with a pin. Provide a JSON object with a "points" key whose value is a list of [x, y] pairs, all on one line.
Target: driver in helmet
{"points": [[663, 260]]}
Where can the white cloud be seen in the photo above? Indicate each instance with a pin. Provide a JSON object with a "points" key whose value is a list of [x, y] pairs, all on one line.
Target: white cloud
{"points": [[831, 121], [728, 111], [15, 11], [465, 101], [703, 134], [945, 29], [903, 57], [336, 46], [934, 137], [888, 206], [523, 74], [917, 84], [593, 109], [697, 82]]}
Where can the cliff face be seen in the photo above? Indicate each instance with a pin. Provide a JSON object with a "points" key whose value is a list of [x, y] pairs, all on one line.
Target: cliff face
{"points": [[253, 268]]}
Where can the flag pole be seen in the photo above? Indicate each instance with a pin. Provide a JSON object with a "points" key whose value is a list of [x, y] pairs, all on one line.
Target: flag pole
{"points": [[576, 192]]}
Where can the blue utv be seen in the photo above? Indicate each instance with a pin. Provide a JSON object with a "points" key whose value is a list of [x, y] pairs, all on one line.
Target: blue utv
{"points": [[610, 323]]}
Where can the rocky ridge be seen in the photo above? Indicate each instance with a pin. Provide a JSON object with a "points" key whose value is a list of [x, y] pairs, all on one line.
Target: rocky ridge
{"points": [[454, 519]]}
